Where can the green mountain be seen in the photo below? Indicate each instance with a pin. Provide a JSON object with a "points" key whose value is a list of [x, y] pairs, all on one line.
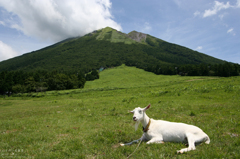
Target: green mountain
{"points": [[105, 48]]}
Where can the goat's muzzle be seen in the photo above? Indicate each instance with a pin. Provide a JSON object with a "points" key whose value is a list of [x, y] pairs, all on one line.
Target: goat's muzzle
{"points": [[134, 118]]}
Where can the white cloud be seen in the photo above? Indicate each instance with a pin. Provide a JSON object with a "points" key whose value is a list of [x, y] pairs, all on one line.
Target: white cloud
{"points": [[199, 48], [238, 4], [2, 23], [230, 30], [56, 20], [217, 7], [197, 13], [6, 51]]}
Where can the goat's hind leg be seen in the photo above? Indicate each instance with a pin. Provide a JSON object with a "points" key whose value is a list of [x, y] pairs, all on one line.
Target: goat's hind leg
{"points": [[191, 144], [195, 139]]}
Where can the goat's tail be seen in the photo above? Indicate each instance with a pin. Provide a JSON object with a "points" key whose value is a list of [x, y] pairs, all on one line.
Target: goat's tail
{"points": [[207, 140]]}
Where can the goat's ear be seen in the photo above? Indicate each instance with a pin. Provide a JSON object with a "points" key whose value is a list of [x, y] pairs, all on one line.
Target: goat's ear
{"points": [[147, 107], [131, 112]]}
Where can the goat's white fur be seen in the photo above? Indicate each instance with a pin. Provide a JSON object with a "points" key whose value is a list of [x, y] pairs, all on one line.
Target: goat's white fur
{"points": [[161, 131]]}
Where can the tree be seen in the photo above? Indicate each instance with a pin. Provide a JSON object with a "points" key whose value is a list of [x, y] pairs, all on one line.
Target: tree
{"points": [[18, 88], [30, 84], [92, 76], [8, 82]]}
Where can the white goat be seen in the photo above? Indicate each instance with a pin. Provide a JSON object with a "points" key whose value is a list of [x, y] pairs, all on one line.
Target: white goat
{"points": [[160, 131]]}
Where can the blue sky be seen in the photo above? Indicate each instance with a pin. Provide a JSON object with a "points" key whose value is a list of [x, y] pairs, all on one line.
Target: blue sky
{"points": [[208, 26]]}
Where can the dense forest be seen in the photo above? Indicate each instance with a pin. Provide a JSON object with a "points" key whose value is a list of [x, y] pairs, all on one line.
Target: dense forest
{"points": [[222, 70], [41, 81]]}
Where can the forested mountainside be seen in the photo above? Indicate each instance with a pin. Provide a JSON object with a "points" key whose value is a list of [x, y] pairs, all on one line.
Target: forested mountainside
{"points": [[104, 48]]}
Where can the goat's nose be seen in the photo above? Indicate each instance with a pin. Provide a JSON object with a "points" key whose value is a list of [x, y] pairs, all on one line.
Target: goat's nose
{"points": [[134, 118]]}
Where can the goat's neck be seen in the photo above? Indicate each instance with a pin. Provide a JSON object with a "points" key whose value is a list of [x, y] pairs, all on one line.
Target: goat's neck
{"points": [[145, 120]]}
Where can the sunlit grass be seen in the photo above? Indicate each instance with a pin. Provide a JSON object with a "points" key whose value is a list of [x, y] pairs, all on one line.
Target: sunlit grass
{"points": [[90, 123]]}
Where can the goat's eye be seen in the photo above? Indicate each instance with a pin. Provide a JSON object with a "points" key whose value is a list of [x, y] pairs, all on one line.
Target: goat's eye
{"points": [[140, 111]]}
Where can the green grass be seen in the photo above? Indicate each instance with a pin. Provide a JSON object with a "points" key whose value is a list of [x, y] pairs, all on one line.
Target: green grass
{"points": [[119, 37], [114, 36], [91, 122]]}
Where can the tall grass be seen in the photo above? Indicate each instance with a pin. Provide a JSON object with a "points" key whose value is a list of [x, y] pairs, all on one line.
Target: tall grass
{"points": [[90, 123]]}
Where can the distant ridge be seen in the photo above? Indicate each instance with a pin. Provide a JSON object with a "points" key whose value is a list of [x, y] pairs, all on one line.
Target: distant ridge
{"points": [[105, 48]]}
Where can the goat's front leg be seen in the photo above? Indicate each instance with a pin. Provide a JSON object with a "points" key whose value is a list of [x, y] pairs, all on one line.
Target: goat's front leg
{"points": [[156, 140], [134, 141], [130, 143]]}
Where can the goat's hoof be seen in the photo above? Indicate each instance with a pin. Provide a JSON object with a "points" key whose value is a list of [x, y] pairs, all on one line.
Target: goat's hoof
{"points": [[180, 152], [121, 144]]}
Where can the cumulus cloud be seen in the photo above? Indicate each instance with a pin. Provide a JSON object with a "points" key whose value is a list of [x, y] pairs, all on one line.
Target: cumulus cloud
{"points": [[6, 51], [57, 20], [216, 8]]}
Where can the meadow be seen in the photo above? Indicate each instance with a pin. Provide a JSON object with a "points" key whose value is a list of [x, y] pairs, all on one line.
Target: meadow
{"points": [[91, 122]]}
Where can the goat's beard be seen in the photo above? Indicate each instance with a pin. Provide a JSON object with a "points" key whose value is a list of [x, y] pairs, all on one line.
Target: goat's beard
{"points": [[136, 125]]}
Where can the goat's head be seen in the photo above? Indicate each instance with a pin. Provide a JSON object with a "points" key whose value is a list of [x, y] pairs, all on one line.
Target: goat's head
{"points": [[138, 114]]}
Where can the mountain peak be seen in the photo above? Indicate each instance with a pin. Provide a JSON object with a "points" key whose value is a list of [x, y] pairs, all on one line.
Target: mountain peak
{"points": [[106, 29], [137, 36], [112, 35]]}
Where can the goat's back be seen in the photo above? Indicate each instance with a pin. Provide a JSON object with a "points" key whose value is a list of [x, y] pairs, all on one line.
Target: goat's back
{"points": [[172, 131]]}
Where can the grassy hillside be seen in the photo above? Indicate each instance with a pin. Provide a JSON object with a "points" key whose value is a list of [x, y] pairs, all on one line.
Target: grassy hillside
{"points": [[91, 122], [130, 77], [107, 47]]}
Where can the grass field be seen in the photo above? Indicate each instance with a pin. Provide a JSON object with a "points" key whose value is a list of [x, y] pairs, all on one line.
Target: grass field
{"points": [[91, 122]]}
